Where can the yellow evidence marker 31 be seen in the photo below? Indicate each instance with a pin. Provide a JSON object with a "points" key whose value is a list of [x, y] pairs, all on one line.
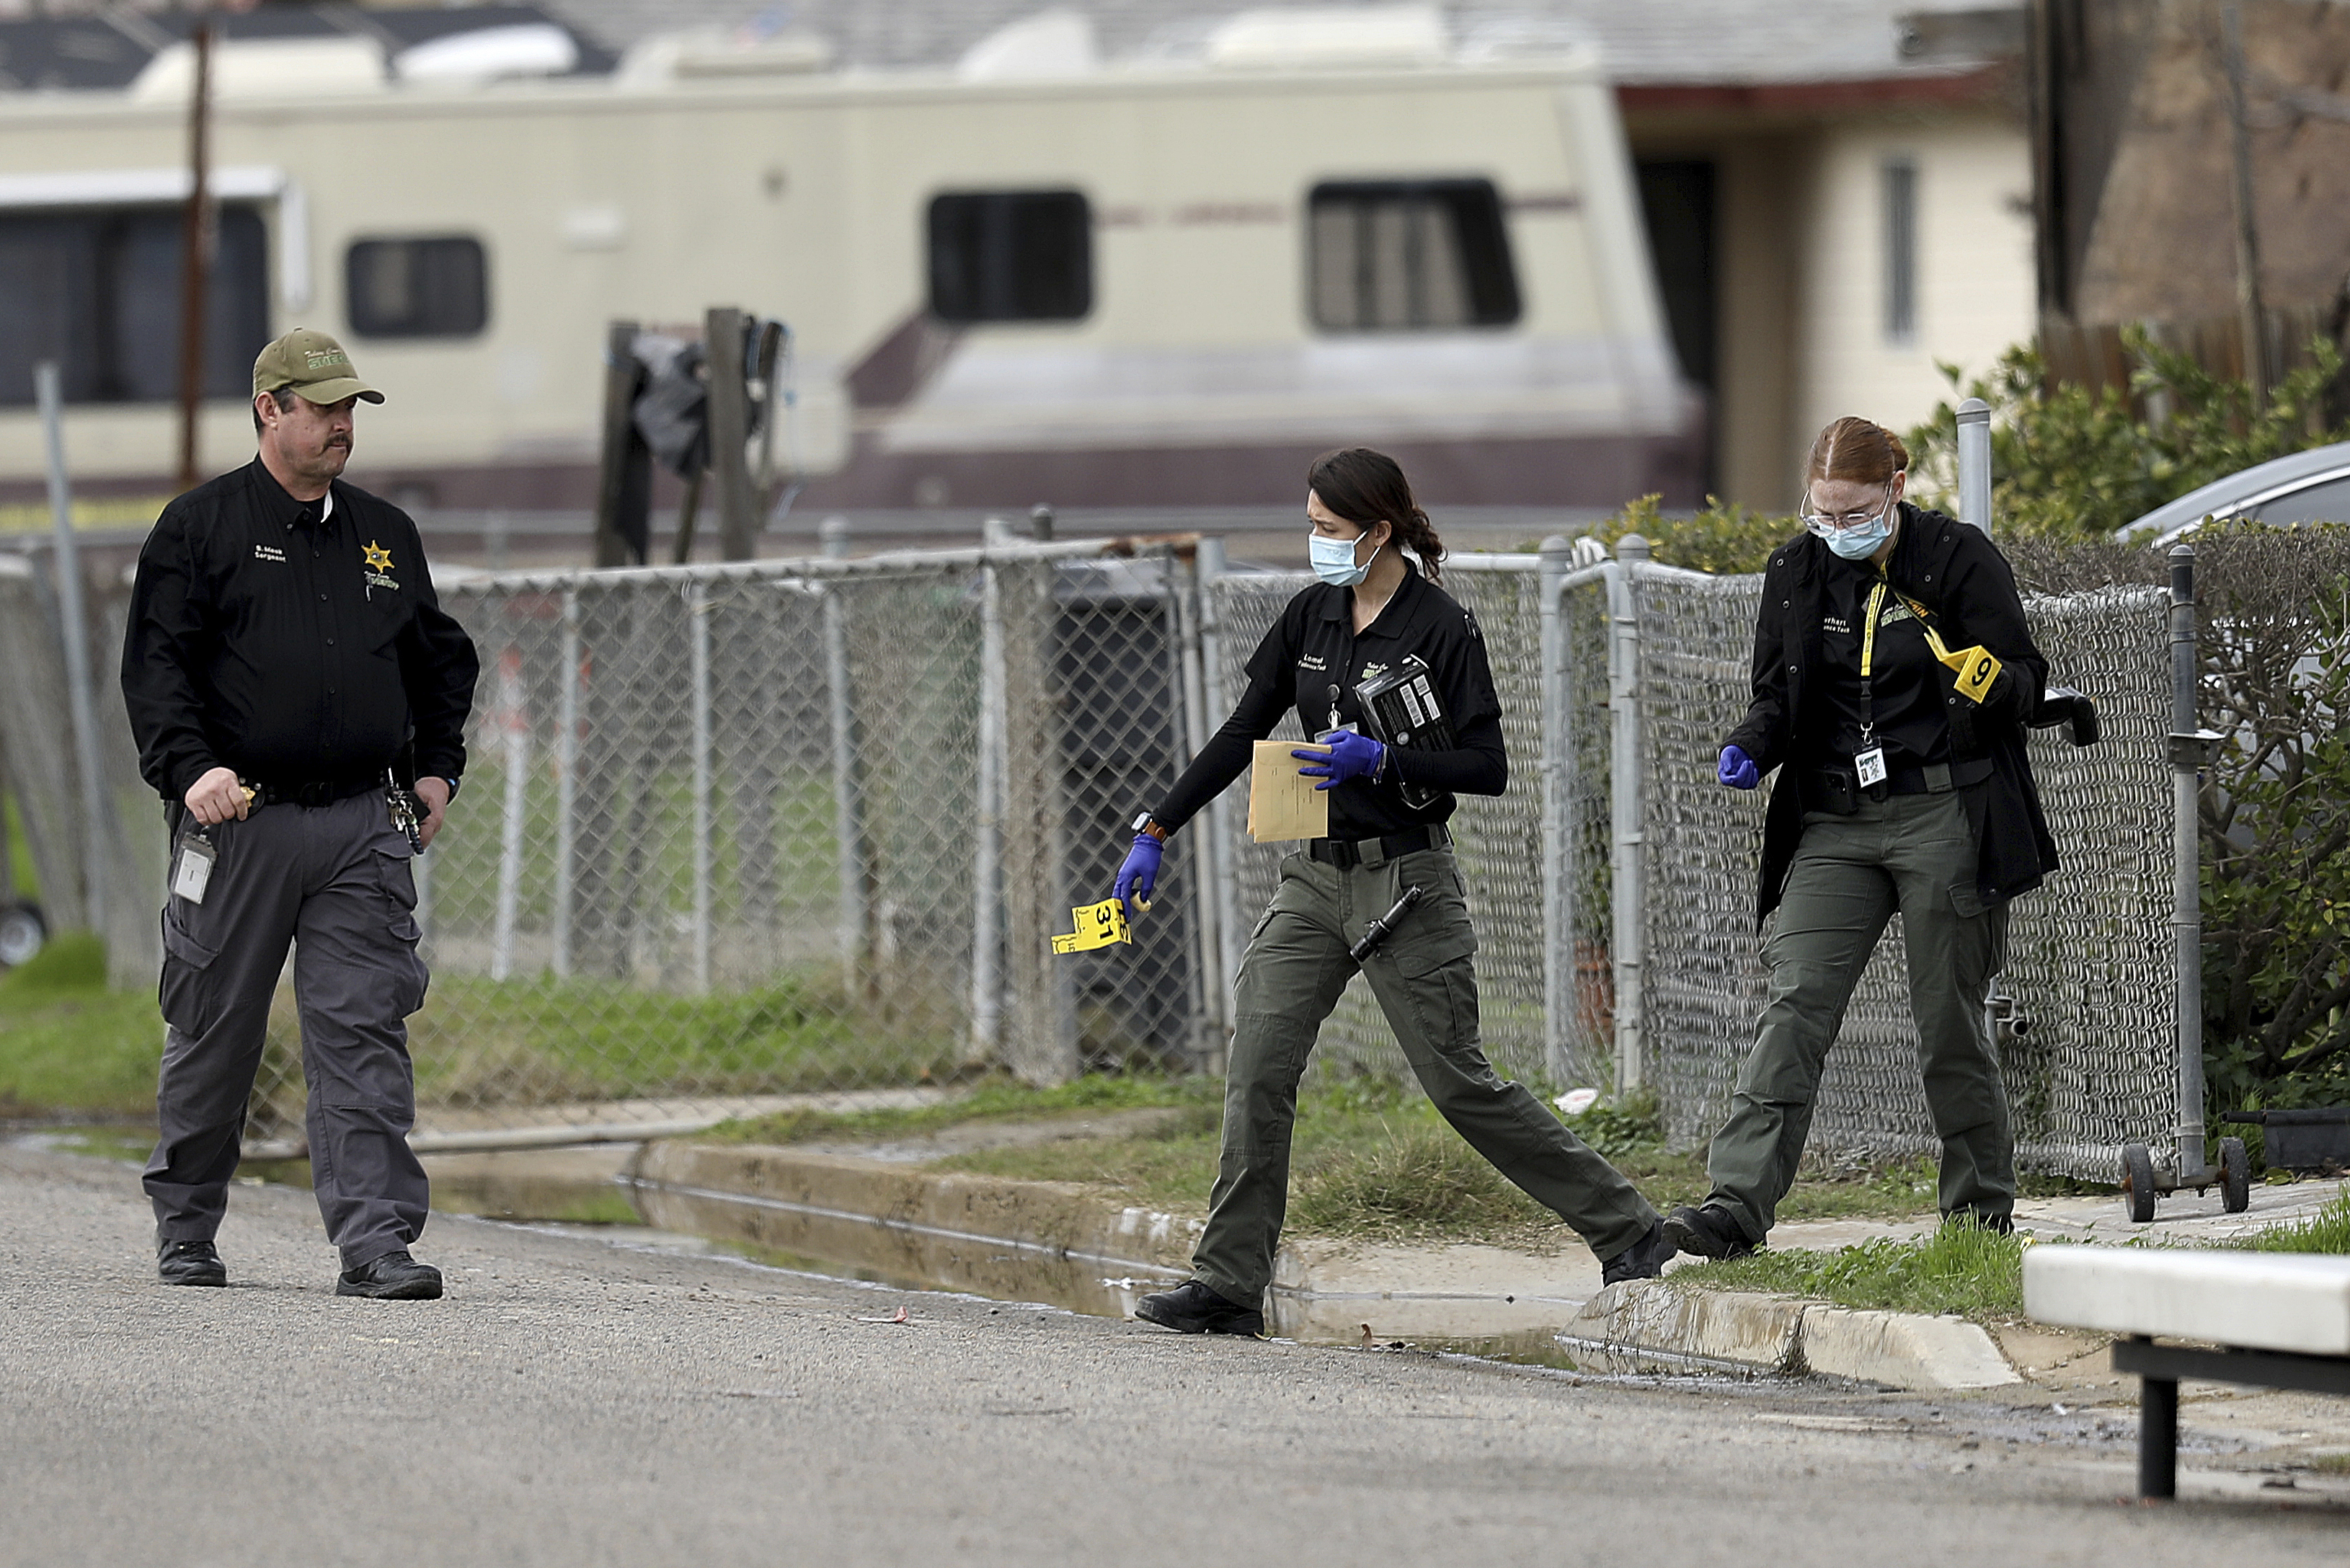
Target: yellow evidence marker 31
{"points": [[1101, 925]]}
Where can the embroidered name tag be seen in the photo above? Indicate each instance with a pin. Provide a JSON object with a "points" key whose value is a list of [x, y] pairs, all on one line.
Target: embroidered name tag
{"points": [[268, 553]]}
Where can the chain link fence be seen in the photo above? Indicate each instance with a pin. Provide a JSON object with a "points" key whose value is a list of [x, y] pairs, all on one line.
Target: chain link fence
{"points": [[736, 835]]}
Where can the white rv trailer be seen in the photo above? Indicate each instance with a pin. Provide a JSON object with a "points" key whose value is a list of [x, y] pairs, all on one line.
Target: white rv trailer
{"points": [[1126, 285]]}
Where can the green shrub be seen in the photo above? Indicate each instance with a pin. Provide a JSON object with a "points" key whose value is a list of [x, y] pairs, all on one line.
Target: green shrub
{"points": [[69, 964]]}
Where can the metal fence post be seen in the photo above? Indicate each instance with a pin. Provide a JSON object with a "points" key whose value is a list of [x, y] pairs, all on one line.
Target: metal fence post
{"points": [[1216, 821], [987, 845], [74, 625], [513, 717], [2189, 747], [1557, 941], [1974, 463], [1188, 601], [1627, 807], [697, 609], [848, 826], [566, 781]]}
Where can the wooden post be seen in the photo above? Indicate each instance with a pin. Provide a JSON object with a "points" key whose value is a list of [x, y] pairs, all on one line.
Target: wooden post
{"points": [[196, 235], [612, 549], [2251, 318], [729, 433]]}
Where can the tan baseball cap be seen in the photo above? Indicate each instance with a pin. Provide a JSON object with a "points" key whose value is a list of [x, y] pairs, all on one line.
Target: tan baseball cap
{"points": [[310, 364]]}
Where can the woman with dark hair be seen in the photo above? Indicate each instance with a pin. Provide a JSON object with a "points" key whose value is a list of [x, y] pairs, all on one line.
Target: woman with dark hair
{"points": [[1893, 676], [1372, 609]]}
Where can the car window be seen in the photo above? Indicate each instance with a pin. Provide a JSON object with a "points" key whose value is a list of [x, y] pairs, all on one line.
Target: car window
{"points": [[2327, 502]]}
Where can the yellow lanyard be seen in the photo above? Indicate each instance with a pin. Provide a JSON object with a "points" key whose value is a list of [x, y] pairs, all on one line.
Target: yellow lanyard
{"points": [[1868, 637]]}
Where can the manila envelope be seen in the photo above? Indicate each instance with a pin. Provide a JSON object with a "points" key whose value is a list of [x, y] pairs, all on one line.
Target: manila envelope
{"points": [[1282, 802]]}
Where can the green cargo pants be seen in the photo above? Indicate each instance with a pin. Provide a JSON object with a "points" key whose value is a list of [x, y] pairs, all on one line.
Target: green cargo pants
{"points": [[1917, 854], [1426, 981]]}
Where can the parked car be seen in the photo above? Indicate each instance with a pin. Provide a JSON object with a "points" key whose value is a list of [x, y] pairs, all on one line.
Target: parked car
{"points": [[2311, 486]]}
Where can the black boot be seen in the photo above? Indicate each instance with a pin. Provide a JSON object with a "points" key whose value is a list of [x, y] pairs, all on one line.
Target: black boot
{"points": [[1708, 1232], [1643, 1260], [1192, 1308], [394, 1277], [190, 1263]]}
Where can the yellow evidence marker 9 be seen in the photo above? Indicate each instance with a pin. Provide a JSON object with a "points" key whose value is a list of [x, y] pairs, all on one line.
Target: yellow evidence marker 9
{"points": [[1101, 925]]}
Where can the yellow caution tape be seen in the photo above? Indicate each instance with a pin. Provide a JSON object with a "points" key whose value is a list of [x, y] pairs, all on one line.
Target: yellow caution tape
{"points": [[1101, 925]]}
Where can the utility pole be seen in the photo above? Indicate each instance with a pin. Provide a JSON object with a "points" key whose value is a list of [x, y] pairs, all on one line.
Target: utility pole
{"points": [[197, 236], [2251, 319]]}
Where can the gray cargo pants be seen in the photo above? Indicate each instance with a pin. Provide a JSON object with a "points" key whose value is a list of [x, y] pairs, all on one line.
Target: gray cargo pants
{"points": [[1915, 852], [1426, 981], [335, 881]]}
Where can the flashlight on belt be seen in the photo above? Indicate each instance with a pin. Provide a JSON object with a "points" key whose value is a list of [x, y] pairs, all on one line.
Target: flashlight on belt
{"points": [[1381, 929]]}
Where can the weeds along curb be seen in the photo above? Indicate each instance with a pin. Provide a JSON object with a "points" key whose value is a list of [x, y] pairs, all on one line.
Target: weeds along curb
{"points": [[1648, 1324]]}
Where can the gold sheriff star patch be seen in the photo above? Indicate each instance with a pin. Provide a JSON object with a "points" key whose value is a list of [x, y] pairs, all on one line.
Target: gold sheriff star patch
{"points": [[379, 559]]}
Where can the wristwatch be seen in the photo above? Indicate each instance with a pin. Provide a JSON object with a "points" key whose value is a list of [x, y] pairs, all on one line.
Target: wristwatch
{"points": [[452, 787], [1148, 824]]}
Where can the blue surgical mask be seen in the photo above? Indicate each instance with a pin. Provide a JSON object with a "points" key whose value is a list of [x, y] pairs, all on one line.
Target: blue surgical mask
{"points": [[1334, 561], [1860, 542]]}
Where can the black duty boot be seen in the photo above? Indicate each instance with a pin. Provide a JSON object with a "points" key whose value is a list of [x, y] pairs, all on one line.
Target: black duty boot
{"points": [[1708, 1232], [190, 1263], [1643, 1260], [1192, 1308], [394, 1277]]}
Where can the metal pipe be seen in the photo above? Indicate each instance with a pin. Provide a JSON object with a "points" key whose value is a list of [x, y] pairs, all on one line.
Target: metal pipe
{"points": [[987, 843], [817, 566], [1974, 463], [197, 238], [2188, 751], [1558, 929], [697, 602], [566, 781], [74, 628], [848, 817], [1627, 809]]}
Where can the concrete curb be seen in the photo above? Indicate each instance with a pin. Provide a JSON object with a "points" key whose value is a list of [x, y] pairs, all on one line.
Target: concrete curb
{"points": [[1650, 1326]]}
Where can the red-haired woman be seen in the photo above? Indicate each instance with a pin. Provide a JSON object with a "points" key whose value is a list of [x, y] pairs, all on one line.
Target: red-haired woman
{"points": [[1372, 609], [1893, 673]]}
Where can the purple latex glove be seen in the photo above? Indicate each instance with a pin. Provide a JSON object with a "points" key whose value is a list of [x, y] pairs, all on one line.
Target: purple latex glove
{"points": [[1738, 769], [1352, 756], [1140, 874]]}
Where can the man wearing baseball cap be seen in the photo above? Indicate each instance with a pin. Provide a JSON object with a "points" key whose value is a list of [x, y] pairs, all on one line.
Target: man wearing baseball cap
{"points": [[289, 675]]}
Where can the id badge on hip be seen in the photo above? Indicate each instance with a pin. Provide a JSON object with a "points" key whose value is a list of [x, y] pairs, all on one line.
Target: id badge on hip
{"points": [[194, 872]]}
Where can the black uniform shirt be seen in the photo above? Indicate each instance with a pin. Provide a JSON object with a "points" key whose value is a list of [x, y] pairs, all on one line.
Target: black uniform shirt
{"points": [[1904, 689], [292, 649], [1310, 663]]}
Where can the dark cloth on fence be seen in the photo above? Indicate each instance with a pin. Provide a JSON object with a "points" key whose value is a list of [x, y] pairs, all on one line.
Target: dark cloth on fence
{"points": [[1312, 660], [290, 647], [1966, 586]]}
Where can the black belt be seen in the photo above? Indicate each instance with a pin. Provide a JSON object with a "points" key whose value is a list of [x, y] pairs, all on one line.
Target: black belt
{"points": [[1347, 852], [308, 792], [1838, 789]]}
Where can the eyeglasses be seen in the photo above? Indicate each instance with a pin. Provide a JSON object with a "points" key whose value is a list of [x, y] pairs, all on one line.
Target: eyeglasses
{"points": [[1837, 521]]}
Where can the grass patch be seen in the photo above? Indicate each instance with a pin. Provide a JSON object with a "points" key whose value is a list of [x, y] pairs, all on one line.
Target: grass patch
{"points": [[69, 1046], [1374, 1161], [1963, 1269], [2327, 1231]]}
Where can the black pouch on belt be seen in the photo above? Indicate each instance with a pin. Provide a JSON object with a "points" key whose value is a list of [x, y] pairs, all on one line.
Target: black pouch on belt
{"points": [[1832, 790]]}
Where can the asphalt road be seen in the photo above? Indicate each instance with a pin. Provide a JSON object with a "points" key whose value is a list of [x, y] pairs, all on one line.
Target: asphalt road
{"points": [[574, 1402]]}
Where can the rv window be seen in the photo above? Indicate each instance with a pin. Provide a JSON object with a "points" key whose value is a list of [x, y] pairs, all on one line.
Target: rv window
{"points": [[431, 287], [98, 292], [1400, 255], [1010, 255]]}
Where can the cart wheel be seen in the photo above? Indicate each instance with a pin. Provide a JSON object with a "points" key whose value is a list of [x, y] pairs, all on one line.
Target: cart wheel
{"points": [[2235, 1176], [22, 933], [2137, 1182]]}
